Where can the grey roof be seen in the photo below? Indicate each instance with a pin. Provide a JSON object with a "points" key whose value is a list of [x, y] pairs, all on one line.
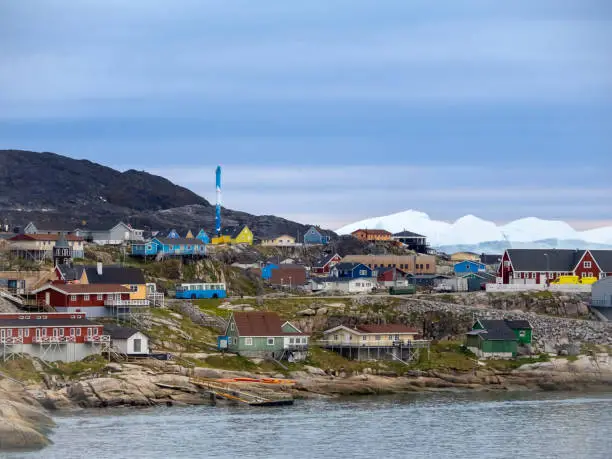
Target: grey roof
{"points": [[323, 260], [482, 275], [53, 227], [46, 322], [232, 231], [62, 242], [490, 259], [115, 275], [71, 273], [348, 265], [518, 324], [179, 241], [118, 332], [536, 259], [497, 330], [603, 259], [407, 234]]}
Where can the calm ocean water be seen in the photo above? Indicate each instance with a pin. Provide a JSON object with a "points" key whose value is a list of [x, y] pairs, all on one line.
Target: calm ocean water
{"points": [[444, 425]]}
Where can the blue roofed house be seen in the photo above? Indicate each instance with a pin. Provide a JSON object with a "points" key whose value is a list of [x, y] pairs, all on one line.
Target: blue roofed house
{"points": [[314, 237], [266, 271], [167, 246], [202, 236], [351, 270], [173, 234], [467, 266]]}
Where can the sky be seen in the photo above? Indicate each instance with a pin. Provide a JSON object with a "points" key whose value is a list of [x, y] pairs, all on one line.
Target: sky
{"points": [[326, 111]]}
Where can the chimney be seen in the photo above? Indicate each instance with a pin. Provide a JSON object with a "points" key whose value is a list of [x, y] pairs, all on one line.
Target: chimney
{"points": [[99, 268]]}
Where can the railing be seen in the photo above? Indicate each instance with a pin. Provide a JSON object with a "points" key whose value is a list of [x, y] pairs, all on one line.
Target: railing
{"points": [[605, 302], [422, 343], [156, 299], [11, 340], [53, 339], [296, 347], [114, 302], [97, 339]]}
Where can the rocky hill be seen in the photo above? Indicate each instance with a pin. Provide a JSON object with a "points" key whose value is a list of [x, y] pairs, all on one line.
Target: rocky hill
{"points": [[50, 188]]}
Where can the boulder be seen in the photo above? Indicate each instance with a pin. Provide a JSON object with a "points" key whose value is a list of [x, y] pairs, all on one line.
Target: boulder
{"points": [[307, 312], [321, 311], [314, 371], [206, 373]]}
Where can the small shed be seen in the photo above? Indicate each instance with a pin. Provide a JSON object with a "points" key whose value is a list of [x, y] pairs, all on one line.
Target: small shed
{"points": [[494, 339], [128, 341]]}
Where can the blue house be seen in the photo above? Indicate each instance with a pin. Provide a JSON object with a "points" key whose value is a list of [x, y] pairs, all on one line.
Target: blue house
{"points": [[169, 247], [314, 237], [266, 271], [173, 234], [350, 270], [466, 267], [202, 236]]}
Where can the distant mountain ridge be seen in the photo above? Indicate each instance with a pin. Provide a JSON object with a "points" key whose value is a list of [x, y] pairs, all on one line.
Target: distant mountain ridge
{"points": [[54, 189], [470, 232]]}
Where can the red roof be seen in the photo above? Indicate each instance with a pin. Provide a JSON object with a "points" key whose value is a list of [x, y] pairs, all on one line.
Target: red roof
{"points": [[386, 328], [85, 289], [44, 237], [259, 323]]}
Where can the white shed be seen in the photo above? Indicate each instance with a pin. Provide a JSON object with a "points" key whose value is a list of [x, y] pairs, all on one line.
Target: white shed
{"points": [[128, 341]]}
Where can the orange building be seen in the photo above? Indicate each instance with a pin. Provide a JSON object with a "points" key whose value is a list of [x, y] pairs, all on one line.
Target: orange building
{"points": [[372, 235]]}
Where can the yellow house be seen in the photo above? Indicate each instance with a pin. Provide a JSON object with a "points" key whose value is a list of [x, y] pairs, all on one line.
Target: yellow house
{"points": [[234, 235], [280, 241], [132, 278], [371, 335], [465, 256], [189, 235]]}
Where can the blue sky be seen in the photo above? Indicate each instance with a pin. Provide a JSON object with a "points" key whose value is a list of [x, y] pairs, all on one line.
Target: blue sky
{"points": [[326, 111]]}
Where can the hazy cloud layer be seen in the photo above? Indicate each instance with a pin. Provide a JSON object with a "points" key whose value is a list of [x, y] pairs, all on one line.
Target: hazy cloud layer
{"points": [[326, 111]]}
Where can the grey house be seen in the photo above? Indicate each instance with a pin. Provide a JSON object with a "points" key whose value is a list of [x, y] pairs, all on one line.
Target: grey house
{"points": [[117, 235], [601, 296], [47, 228]]}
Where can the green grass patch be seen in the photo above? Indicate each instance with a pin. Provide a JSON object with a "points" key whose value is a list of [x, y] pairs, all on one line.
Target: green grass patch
{"points": [[446, 355], [20, 369], [512, 364], [88, 366], [212, 307]]}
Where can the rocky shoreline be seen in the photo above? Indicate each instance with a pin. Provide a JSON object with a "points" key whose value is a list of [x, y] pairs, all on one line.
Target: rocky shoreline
{"points": [[25, 413]]}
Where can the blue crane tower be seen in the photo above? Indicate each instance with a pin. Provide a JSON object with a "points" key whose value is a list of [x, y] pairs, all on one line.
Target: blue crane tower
{"points": [[218, 206]]}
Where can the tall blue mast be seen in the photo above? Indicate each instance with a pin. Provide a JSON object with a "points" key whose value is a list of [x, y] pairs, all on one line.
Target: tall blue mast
{"points": [[218, 207]]}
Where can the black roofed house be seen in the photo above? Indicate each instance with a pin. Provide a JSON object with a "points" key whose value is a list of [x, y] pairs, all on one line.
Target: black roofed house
{"points": [[539, 266], [48, 228], [68, 272], [413, 241], [325, 263], [492, 339], [490, 259], [127, 341]]}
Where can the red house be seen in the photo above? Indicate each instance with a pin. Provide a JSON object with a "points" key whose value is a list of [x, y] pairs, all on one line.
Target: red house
{"points": [[391, 277], [324, 264], [538, 266], [97, 300], [51, 336]]}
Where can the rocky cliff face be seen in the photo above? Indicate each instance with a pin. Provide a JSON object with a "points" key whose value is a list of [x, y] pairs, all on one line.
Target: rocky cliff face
{"points": [[24, 424]]}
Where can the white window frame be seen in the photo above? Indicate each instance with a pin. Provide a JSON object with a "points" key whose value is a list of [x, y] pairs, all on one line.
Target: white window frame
{"points": [[78, 332], [73, 297], [232, 327], [85, 297], [248, 341], [587, 264], [99, 297], [72, 332], [270, 341]]}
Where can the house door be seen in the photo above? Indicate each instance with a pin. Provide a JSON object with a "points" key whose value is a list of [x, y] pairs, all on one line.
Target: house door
{"points": [[48, 298], [137, 345], [38, 333], [2, 334]]}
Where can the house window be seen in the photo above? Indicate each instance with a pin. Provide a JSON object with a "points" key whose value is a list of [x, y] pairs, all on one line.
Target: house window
{"points": [[232, 326], [248, 341], [78, 332], [133, 288], [85, 297], [292, 340], [72, 332], [364, 338], [587, 264], [427, 265], [270, 341], [99, 297], [390, 337], [377, 338], [72, 297], [61, 332], [363, 272], [26, 332], [522, 333]]}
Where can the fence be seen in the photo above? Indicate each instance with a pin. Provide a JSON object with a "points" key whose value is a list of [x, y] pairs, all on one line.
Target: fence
{"points": [[565, 288]]}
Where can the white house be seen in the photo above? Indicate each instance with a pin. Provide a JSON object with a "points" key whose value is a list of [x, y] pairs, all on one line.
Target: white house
{"points": [[128, 341], [117, 235], [343, 285]]}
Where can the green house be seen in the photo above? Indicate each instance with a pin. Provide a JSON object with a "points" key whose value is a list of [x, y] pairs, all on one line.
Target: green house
{"points": [[263, 335], [492, 339]]}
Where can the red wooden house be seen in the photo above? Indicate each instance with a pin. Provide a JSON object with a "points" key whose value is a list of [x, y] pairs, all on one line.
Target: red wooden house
{"points": [[324, 264], [538, 266], [51, 336], [96, 300]]}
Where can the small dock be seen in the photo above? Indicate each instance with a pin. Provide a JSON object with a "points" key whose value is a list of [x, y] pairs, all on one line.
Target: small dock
{"points": [[228, 391]]}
